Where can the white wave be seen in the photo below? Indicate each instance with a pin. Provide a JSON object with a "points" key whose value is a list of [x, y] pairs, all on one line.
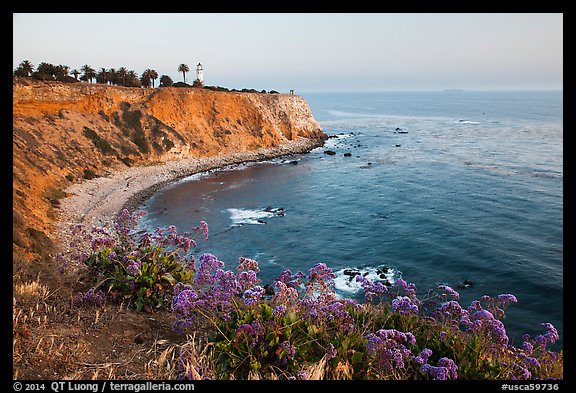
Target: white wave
{"points": [[345, 280], [254, 217]]}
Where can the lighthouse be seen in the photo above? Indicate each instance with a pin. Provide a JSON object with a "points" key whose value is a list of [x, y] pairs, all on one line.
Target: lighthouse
{"points": [[199, 73]]}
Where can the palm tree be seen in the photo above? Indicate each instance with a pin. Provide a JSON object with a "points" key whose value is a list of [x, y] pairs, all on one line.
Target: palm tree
{"points": [[151, 75], [183, 68], [103, 76], [61, 72], [26, 67], [45, 71], [132, 79], [122, 74], [145, 79], [113, 76], [89, 72], [75, 72]]}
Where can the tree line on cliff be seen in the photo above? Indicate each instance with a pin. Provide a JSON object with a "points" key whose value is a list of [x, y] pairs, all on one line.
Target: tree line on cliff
{"points": [[115, 77], [118, 77]]}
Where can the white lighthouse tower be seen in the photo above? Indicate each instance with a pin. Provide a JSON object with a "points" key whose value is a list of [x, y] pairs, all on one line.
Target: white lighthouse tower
{"points": [[200, 73]]}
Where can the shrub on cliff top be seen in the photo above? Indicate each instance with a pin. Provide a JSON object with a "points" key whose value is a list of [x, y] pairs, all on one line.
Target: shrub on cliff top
{"points": [[181, 84]]}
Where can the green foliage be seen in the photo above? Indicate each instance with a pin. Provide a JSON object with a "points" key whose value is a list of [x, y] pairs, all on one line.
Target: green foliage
{"points": [[88, 174], [40, 243], [132, 120], [154, 272], [166, 81], [141, 269], [181, 84], [101, 144]]}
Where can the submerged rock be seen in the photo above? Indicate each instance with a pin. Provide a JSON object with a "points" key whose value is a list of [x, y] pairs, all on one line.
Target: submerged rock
{"points": [[465, 284], [330, 152]]}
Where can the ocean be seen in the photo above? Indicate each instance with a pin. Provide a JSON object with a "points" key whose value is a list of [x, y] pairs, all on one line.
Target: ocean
{"points": [[462, 188]]}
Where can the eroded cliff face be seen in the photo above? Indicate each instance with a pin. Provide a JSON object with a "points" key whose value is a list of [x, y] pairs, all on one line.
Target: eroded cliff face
{"points": [[63, 133]]}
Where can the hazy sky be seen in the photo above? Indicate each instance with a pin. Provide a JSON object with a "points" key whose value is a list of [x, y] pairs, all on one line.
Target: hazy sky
{"points": [[308, 52]]}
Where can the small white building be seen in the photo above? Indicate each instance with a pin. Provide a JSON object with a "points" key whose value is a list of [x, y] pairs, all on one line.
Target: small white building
{"points": [[200, 73]]}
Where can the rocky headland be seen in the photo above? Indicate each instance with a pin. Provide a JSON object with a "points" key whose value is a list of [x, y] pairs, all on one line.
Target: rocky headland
{"points": [[83, 151]]}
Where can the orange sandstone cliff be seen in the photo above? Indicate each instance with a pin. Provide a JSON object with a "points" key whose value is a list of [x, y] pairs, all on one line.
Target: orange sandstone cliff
{"points": [[65, 133]]}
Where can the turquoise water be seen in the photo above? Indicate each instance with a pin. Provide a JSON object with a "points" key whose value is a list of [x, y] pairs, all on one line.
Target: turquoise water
{"points": [[439, 187]]}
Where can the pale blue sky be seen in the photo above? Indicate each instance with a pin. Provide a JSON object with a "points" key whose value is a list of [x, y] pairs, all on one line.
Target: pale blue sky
{"points": [[308, 52]]}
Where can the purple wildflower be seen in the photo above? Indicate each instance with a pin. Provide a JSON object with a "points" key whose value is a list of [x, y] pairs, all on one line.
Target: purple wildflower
{"points": [[443, 336], [549, 337], [284, 294], [450, 365], [423, 357], [401, 283], [532, 362], [483, 314], [371, 289], [289, 350], [527, 347], [507, 298], [387, 350], [248, 279], [320, 276], [279, 310], [89, 298], [248, 264], [446, 369], [451, 308], [455, 295], [99, 242], [403, 305], [134, 268], [203, 228], [251, 296], [331, 352]]}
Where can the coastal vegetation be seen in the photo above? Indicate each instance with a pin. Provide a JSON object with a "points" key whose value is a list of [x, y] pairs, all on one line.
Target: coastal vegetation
{"points": [[115, 77], [298, 328]]}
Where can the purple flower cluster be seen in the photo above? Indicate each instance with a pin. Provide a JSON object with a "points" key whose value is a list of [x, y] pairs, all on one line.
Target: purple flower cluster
{"points": [[453, 294], [550, 337], [507, 298], [252, 333], [288, 351], [387, 348], [134, 267], [203, 229], [89, 298], [331, 352], [246, 264], [126, 222], [327, 309], [446, 369], [213, 291], [423, 357], [208, 264], [372, 290], [320, 278], [403, 305], [252, 296], [284, 294], [248, 279]]}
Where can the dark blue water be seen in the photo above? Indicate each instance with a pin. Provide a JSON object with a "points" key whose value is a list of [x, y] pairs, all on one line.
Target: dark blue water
{"points": [[440, 187]]}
